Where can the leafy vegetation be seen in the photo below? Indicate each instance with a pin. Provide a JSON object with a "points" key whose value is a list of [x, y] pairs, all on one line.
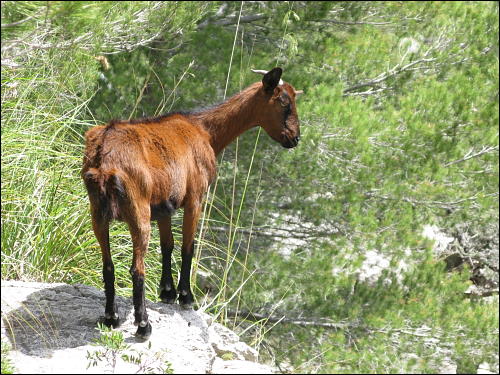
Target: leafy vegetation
{"points": [[7, 366], [112, 349], [399, 130]]}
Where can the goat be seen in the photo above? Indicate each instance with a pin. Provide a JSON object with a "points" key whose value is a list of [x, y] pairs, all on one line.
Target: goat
{"points": [[143, 170]]}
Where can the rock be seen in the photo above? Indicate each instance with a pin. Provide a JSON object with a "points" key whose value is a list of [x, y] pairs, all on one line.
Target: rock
{"points": [[239, 367], [475, 245], [484, 368], [51, 328], [204, 280], [442, 246], [374, 265], [448, 366], [224, 341], [441, 240]]}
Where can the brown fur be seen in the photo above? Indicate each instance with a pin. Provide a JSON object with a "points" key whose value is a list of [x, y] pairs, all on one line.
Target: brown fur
{"points": [[141, 170]]}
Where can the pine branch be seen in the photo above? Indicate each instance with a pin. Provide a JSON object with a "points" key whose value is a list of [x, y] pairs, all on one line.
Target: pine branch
{"points": [[304, 322], [413, 202], [291, 233], [231, 20], [384, 76], [350, 23], [18, 22], [470, 155]]}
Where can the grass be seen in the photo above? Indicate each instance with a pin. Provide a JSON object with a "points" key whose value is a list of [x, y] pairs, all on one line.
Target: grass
{"points": [[46, 232], [7, 366]]}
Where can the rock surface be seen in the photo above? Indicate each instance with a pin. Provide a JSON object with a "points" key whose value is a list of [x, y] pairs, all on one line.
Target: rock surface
{"points": [[238, 367], [475, 246], [51, 328]]}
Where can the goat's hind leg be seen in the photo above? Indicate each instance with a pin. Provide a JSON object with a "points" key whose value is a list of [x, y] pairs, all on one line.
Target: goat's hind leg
{"points": [[167, 291], [100, 226], [140, 230], [192, 212]]}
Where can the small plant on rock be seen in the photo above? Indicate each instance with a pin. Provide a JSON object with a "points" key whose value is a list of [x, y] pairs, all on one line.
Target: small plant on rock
{"points": [[113, 348], [112, 344], [7, 367]]}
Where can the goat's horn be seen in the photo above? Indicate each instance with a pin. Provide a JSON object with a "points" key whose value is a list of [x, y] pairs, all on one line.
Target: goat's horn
{"points": [[259, 71], [265, 72]]}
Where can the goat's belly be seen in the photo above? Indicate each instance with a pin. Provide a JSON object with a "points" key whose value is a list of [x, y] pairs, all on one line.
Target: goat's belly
{"points": [[163, 209]]}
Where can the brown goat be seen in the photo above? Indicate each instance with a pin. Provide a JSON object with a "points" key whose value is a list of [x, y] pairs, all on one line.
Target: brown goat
{"points": [[142, 170]]}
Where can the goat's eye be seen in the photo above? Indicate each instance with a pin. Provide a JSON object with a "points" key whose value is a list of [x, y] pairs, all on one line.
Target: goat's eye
{"points": [[288, 109], [284, 102]]}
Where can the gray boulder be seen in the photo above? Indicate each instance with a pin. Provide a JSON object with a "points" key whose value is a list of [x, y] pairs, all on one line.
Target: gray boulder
{"points": [[51, 328]]}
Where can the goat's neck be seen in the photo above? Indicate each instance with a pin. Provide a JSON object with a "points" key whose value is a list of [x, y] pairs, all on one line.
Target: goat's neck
{"points": [[230, 119]]}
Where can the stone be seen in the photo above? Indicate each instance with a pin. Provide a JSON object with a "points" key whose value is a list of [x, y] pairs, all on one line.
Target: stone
{"points": [[224, 341], [448, 366], [484, 368], [239, 367], [441, 239], [52, 327]]}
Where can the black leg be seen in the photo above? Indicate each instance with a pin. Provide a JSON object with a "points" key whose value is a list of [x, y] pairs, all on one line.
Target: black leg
{"points": [[101, 230], [140, 239], [167, 291], [111, 318], [192, 211], [141, 316], [186, 298]]}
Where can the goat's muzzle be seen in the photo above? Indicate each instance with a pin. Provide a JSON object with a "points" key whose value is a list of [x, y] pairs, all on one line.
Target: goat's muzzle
{"points": [[291, 143]]}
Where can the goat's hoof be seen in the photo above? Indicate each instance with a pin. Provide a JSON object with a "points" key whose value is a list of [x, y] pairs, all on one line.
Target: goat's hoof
{"points": [[168, 297], [186, 301], [111, 321], [187, 306], [143, 333]]}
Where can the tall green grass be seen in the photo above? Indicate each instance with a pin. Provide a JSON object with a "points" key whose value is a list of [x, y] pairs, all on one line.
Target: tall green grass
{"points": [[43, 226], [46, 232]]}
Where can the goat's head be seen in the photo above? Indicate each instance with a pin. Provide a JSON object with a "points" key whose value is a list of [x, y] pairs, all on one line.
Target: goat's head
{"points": [[278, 113]]}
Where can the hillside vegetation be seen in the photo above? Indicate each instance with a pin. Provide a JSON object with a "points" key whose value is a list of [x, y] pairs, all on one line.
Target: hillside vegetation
{"points": [[399, 134]]}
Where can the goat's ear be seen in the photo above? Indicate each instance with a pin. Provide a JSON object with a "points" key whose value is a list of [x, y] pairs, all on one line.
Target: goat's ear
{"points": [[298, 93], [271, 79]]}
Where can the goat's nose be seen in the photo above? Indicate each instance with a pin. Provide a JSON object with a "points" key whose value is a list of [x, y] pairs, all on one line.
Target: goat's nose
{"points": [[296, 139]]}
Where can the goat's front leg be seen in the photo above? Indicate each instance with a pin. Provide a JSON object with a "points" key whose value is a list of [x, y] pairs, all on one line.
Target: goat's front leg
{"points": [[167, 290], [140, 232], [192, 212]]}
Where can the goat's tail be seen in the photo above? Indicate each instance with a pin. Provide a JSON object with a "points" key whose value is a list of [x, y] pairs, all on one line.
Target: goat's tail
{"points": [[106, 191]]}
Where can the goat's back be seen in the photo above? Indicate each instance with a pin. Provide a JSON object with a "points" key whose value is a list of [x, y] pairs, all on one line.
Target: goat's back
{"points": [[163, 163]]}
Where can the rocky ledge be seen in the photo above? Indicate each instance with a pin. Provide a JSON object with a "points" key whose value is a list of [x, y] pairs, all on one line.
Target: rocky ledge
{"points": [[51, 329]]}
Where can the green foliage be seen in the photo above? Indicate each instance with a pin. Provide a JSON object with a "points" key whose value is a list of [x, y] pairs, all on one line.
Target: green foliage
{"points": [[112, 348], [7, 366], [113, 345]]}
